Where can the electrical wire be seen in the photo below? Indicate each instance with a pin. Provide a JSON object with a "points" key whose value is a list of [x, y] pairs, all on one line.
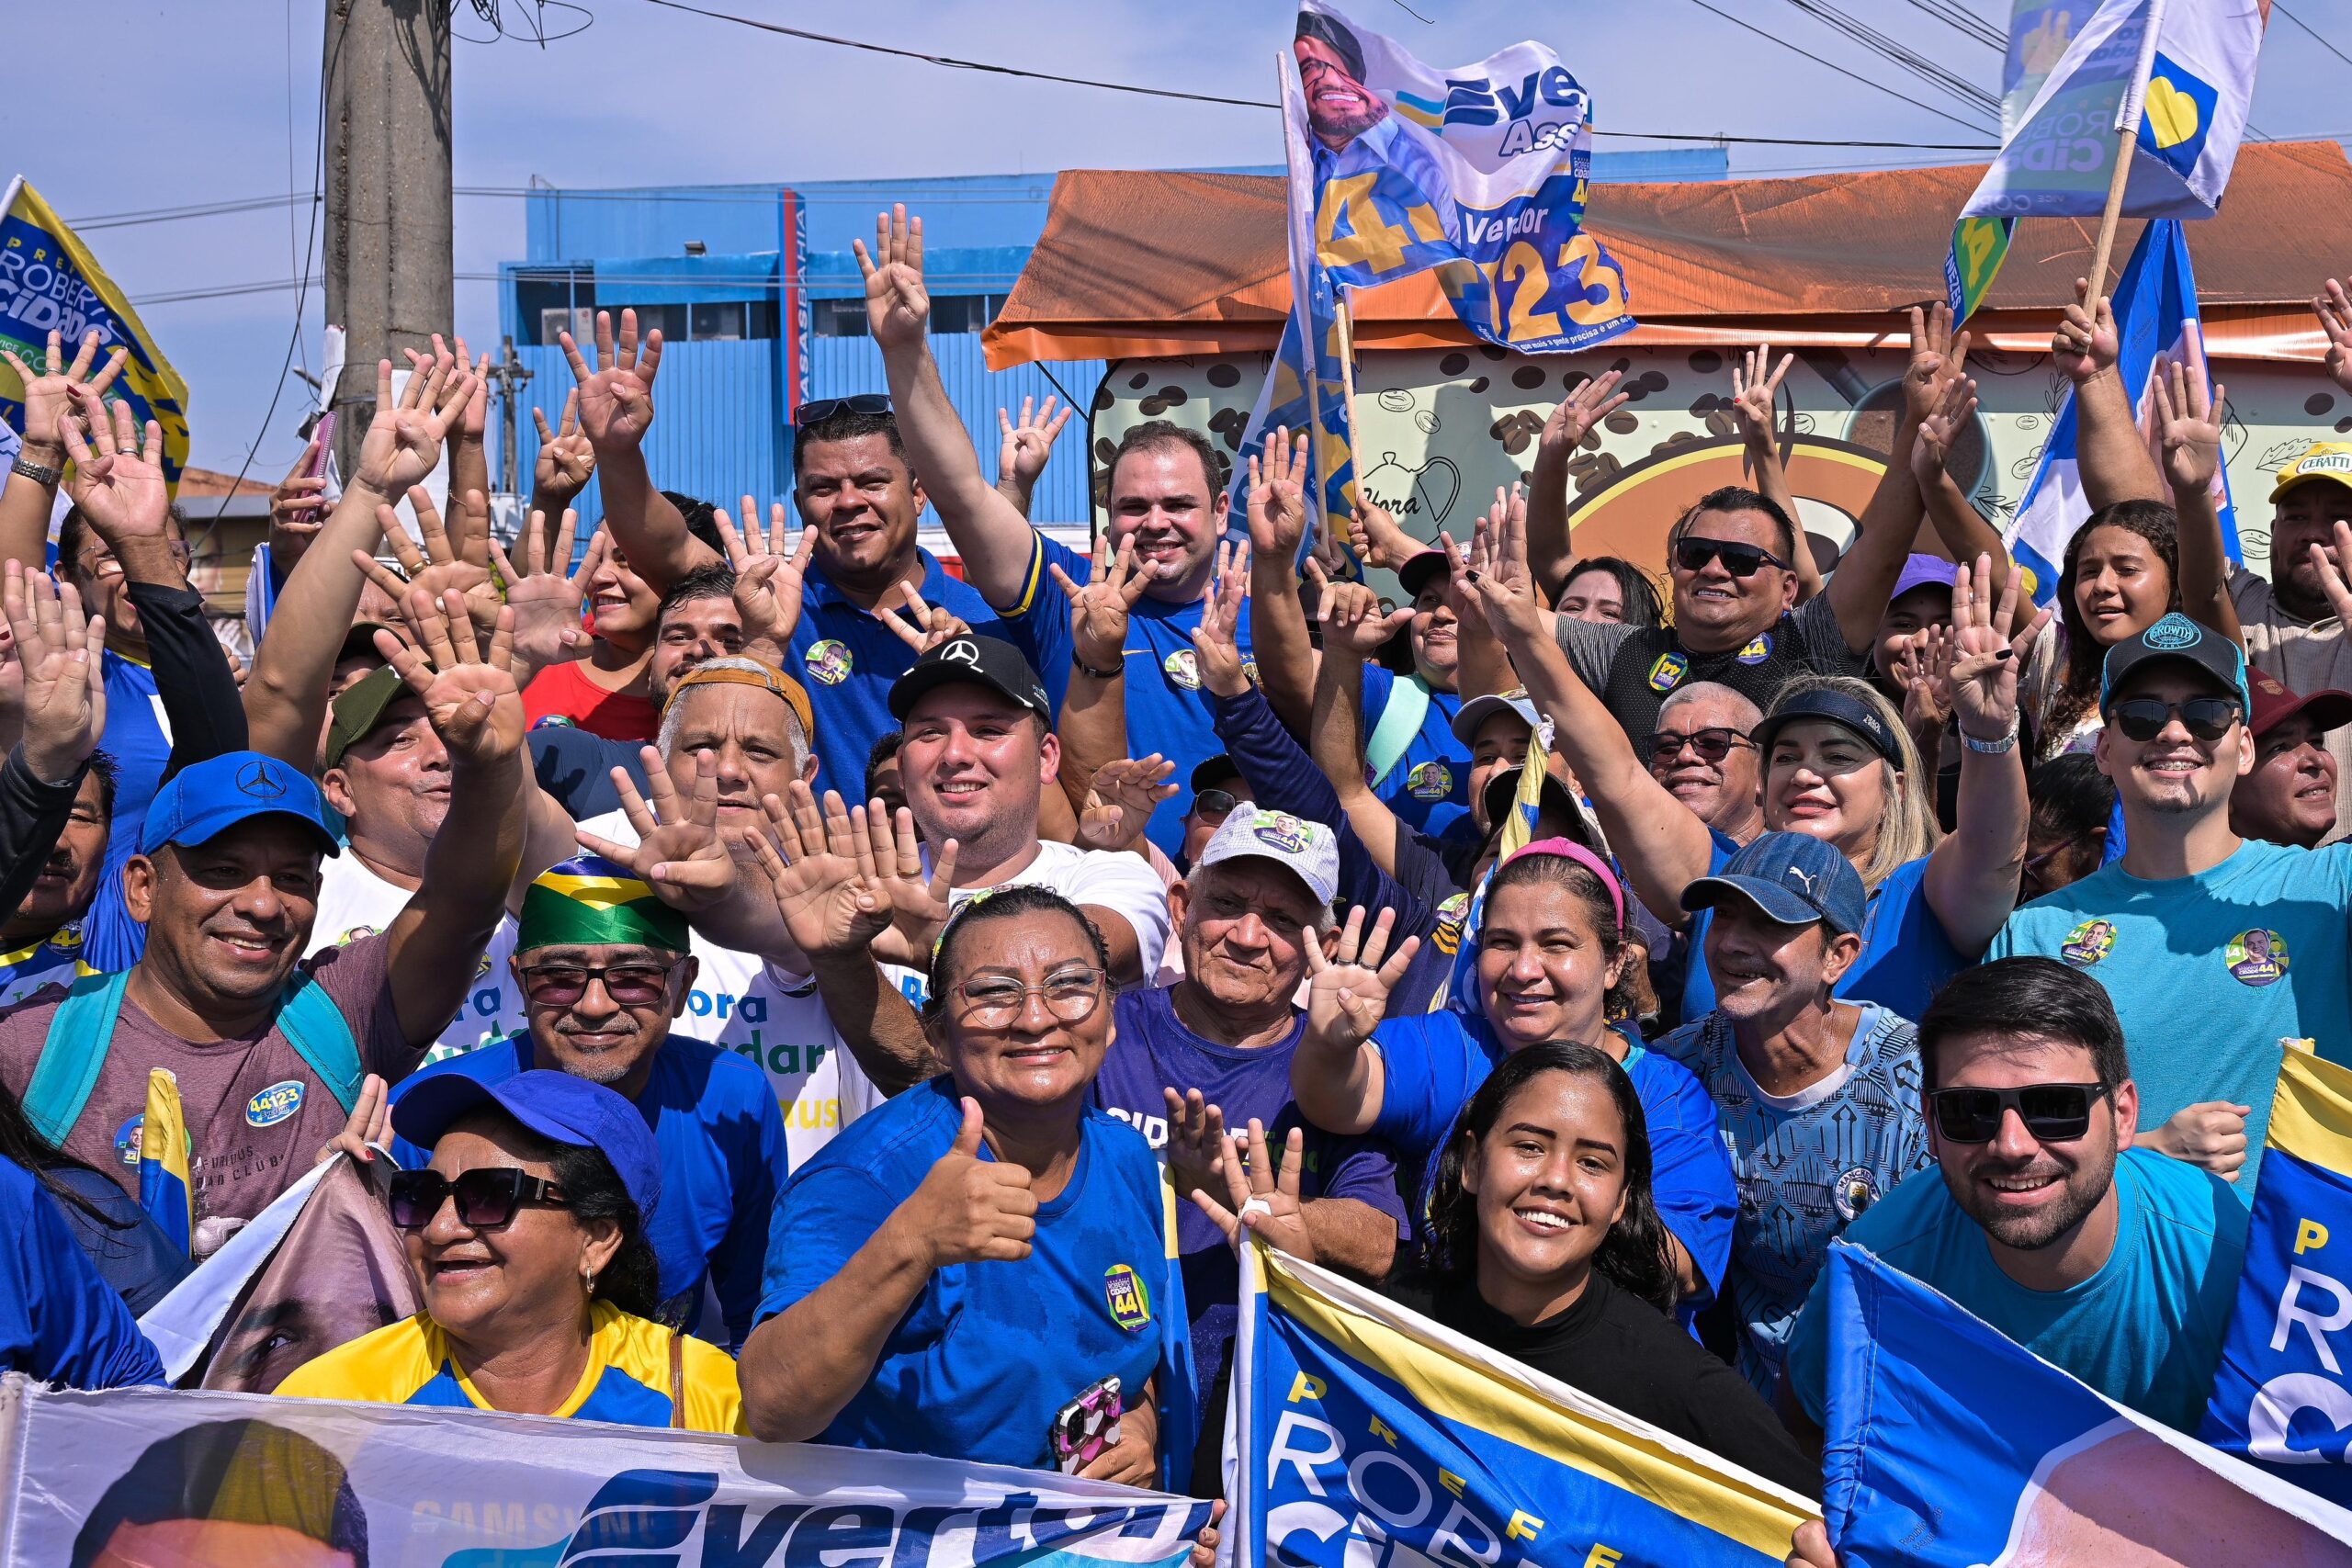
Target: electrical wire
{"points": [[1851, 75], [2280, 6], [1900, 55], [1966, 22]]}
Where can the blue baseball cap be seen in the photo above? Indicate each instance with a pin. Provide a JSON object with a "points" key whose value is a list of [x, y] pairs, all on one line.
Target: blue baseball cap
{"points": [[205, 799], [1794, 878], [2176, 640], [555, 1106], [1841, 708]]}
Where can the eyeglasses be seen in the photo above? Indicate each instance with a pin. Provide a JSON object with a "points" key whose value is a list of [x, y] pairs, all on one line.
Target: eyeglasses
{"points": [[1713, 743], [817, 410], [2052, 1113], [487, 1196], [1215, 804], [994, 1002], [1740, 560], [2143, 718], [630, 985]]}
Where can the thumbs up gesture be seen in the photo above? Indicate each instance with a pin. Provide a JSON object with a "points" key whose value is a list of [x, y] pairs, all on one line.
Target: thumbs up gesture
{"points": [[969, 1210]]}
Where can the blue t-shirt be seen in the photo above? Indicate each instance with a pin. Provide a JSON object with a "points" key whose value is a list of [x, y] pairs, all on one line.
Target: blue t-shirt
{"points": [[2145, 1330], [1807, 1163], [2210, 973], [723, 1158], [1429, 786], [140, 746], [1167, 710], [1153, 1051], [1905, 956], [58, 1320], [848, 659], [990, 1352], [1433, 1063]]}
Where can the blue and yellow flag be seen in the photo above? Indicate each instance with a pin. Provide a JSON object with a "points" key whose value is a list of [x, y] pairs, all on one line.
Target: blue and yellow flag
{"points": [[2282, 1395], [1361, 1433], [163, 1185], [50, 282]]}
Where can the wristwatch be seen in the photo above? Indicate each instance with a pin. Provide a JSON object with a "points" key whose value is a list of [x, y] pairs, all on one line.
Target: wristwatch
{"points": [[35, 473], [1993, 748]]}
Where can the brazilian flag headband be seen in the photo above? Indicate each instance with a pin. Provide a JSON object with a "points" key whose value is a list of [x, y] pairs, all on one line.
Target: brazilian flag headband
{"points": [[589, 902]]}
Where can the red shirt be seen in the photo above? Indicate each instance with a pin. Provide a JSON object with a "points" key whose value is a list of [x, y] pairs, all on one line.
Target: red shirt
{"points": [[561, 692]]}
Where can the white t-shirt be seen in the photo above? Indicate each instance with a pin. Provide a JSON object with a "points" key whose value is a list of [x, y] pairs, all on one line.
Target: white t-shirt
{"points": [[1117, 881], [755, 1009], [354, 902]]}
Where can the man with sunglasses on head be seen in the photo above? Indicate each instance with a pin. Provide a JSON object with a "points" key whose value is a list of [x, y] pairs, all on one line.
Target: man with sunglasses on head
{"points": [[604, 969], [2046, 1217], [2219, 952]]}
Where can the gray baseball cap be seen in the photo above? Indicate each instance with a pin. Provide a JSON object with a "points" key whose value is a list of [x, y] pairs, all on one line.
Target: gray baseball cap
{"points": [[1308, 851]]}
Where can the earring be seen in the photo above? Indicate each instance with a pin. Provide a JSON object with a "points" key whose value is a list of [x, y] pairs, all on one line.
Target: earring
{"points": [[590, 1278]]}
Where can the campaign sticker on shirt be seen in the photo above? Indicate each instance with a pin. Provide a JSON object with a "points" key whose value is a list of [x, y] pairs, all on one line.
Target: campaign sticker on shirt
{"points": [[1184, 668], [1756, 652], [354, 934], [1853, 1191], [274, 1104], [126, 1139], [1250, 672], [828, 661], [66, 938], [1668, 672], [1130, 1305], [2255, 957], [555, 721], [2088, 944], [1430, 780]]}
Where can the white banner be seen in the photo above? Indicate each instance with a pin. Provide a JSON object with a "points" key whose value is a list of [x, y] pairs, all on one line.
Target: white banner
{"points": [[142, 1477]]}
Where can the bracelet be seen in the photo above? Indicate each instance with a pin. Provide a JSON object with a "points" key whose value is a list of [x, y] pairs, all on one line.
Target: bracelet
{"points": [[1083, 668], [1992, 748], [39, 474]]}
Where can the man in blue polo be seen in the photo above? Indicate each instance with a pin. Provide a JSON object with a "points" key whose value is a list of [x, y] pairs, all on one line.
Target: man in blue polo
{"points": [[853, 485]]}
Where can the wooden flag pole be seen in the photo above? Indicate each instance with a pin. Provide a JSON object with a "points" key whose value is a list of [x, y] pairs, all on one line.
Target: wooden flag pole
{"points": [[2127, 113]]}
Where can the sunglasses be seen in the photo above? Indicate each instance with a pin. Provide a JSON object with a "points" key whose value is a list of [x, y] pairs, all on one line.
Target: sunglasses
{"points": [[487, 1196], [2143, 718], [817, 410], [2052, 1113], [1740, 560], [1215, 803], [630, 984], [1713, 743]]}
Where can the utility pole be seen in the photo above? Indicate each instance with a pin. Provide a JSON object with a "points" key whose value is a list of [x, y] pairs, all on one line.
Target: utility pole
{"points": [[389, 265], [511, 377]]}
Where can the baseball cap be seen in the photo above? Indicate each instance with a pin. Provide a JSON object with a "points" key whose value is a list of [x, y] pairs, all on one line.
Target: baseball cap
{"points": [[974, 660], [1794, 878], [1208, 770], [555, 1106], [1308, 851], [1840, 708], [1478, 710], [2274, 705], [359, 707], [2176, 639], [1921, 571], [359, 642], [749, 672], [206, 798], [1419, 568], [2329, 460]]}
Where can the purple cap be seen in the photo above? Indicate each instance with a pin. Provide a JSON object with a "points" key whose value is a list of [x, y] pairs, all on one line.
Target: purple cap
{"points": [[1918, 571]]}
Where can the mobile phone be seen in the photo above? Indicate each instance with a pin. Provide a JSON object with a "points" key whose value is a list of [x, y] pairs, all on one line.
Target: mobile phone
{"points": [[324, 433], [1087, 1428]]}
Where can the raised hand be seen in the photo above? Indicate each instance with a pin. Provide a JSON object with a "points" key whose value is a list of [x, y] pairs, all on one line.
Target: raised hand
{"points": [[546, 595], [1940, 427], [1923, 671], [2333, 306], [1098, 612], [822, 867], [1257, 1198], [970, 1210], [1984, 657], [1196, 1143], [616, 396], [468, 691], [933, 623], [436, 568], [1352, 616], [1938, 357], [1756, 392], [55, 653], [118, 481], [48, 393], [1347, 994], [920, 905], [1496, 578], [898, 305], [678, 853], [1373, 535], [403, 440], [567, 459], [2085, 345], [1028, 444], [2331, 573], [1216, 640], [1278, 479], [2188, 418], [1586, 406], [296, 508], [767, 582], [1120, 800]]}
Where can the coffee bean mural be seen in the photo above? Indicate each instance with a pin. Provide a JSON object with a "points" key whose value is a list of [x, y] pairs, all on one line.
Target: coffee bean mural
{"points": [[1222, 374]]}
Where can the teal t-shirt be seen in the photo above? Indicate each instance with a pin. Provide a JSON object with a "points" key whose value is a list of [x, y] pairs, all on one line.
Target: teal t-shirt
{"points": [[2210, 973], [2145, 1330]]}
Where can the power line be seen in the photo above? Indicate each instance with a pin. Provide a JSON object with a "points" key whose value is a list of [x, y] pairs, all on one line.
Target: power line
{"points": [[1965, 22], [1900, 55], [2280, 6], [1850, 75]]}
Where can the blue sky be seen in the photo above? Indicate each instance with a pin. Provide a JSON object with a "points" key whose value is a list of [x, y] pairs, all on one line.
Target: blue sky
{"points": [[182, 103]]}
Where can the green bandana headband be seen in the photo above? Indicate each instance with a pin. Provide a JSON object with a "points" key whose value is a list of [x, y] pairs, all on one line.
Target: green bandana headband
{"points": [[590, 902]]}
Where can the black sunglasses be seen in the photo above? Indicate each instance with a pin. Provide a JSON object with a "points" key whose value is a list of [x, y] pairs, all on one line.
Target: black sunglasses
{"points": [[817, 410], [630, 984], [1216, 803], [1713, 743], [2143, 718], [487, 1196], [1740, 560], [2052, 1113]]}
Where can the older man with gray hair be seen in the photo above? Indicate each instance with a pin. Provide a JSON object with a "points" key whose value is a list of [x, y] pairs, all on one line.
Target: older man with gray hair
{"points": [[1701, 753]]}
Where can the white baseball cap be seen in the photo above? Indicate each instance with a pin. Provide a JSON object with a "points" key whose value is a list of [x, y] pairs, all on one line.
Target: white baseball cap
{"points": [[1308, 851]]}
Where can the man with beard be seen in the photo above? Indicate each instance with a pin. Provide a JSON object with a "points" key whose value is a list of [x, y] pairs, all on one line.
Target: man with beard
{"points": [[605, 970], [2045, 1218], [1354, 125]]}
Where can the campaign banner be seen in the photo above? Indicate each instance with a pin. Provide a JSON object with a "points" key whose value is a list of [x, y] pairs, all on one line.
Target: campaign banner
{"points": [[2282, 1395], [1951, 1444], [50, 282], [1362, 1433], [2040, 32], [137, 1476], [1479, 172]]}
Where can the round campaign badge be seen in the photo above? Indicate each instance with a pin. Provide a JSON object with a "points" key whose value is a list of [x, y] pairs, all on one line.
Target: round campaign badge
{"points": [[1430, 780], [1756, 652], [2088, 944], [828, 661], [1184, 668], [126, 1139], [274, 1104], [2255, 957]]}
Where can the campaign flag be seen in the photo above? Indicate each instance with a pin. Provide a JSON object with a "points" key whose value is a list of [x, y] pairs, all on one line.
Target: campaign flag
{"points": [[2156, 310], [2181, 72], [163, 1187], [2040, 32], [1460, 990], [105, 1478], [2282, 1396], [1951, 1444], [1362, 1433], [1479, 172], [49, 281]]}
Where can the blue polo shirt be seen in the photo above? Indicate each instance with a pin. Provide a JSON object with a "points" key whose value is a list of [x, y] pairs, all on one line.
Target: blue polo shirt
{"points": [[847, 658], [1428, 787], [140, 746], [1167, 710], [723, 1159]]}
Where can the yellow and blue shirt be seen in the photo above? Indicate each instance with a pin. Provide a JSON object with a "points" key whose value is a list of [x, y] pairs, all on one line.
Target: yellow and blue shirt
{"points": [[626, 1380]]}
